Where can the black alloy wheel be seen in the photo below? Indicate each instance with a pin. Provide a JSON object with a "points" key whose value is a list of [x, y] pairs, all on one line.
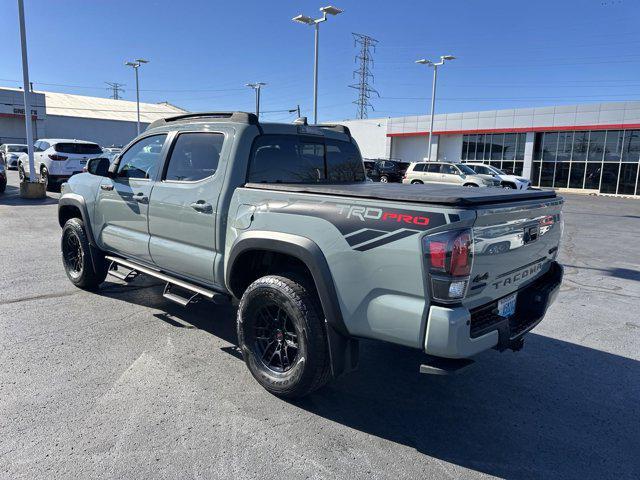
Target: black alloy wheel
{"points": [[72, 254], [276, 338]]}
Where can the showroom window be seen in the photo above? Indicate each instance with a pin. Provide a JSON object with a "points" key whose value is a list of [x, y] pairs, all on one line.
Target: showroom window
{"points": [[501, 150], [603, 160]]}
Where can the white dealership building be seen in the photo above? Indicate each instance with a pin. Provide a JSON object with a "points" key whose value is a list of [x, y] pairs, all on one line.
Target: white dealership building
{"points": [[593, 147], [60, 115]]}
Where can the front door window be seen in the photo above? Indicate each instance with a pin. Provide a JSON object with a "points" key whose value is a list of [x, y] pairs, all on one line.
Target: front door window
{"points": [[142, 159]]}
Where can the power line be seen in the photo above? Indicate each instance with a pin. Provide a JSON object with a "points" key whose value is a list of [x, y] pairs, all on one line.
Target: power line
{"points": [[115, 88], [363, 73]]}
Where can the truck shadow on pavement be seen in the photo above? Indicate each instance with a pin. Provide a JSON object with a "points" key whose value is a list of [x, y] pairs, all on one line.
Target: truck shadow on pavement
{"points": [[555, 409]]}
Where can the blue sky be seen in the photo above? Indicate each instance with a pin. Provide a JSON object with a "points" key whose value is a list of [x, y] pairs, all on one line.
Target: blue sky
{"points": [[202, 53]]}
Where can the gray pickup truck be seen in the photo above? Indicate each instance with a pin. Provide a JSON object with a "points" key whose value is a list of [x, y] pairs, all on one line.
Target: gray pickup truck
{"points": [[281, 217]]}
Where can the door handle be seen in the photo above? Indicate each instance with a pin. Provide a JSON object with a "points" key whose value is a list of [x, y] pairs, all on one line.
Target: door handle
{"points": [[202, 206], [141, 198], [106, 187]]}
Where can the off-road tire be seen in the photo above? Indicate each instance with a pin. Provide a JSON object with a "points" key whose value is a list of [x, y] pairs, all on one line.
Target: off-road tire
{"points": [[311, 368], [84, 275]]}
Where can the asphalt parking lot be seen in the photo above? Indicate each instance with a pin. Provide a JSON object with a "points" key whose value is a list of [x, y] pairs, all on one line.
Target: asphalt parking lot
{"points": [[124, 384]]}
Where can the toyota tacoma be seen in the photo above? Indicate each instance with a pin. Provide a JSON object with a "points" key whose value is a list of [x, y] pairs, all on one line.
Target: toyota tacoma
{"points": [[281, 218]]}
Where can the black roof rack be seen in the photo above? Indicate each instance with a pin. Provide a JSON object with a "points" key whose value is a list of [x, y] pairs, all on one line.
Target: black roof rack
{"points": [[239, 117]]}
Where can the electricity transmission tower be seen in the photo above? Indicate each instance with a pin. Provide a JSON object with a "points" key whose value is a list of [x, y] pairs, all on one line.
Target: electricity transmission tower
{"points": [[116, 89], [363, 73]]}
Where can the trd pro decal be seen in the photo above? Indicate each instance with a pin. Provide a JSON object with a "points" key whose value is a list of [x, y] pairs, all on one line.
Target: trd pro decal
{"points": [[367, 227]]}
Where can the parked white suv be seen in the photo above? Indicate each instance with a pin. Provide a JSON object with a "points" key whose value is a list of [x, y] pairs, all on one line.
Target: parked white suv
{"points": [[446, 172], [507, 181], [57, 159], [11, 152]]}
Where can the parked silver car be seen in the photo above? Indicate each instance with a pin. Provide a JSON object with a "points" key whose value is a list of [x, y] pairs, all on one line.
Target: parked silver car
{"points": [[446, 172]]}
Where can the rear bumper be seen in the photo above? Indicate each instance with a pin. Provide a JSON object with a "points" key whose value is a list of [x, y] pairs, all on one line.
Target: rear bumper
{"points": [[456, 332]]}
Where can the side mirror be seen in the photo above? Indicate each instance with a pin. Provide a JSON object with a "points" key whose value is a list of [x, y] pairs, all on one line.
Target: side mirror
{"points": [[99, 166]]}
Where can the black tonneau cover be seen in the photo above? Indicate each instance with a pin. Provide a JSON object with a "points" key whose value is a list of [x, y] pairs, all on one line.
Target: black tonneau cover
{"points": [[427, 193]]}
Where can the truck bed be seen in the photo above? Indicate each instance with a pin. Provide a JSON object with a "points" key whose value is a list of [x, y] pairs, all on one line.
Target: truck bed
{"points": [[427, 193]]}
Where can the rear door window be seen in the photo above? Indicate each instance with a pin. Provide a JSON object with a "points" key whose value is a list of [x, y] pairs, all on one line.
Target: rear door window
{"points": [[195, 156], [433, 168]]}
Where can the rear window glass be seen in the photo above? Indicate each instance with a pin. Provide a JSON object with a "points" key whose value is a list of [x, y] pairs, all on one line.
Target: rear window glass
{"points": [[78, 148], [300, 159], [17, 148], [344, 163]]}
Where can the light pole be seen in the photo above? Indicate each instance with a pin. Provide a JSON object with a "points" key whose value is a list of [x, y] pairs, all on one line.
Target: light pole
{"points": [[329, 10], [257, 86], [435, 66], [135, 65], [27, 91]]}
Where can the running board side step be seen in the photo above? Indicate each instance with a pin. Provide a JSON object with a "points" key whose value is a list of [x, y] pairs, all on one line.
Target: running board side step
{"points": [[125, 277], [175, 297], [195, 290], [444, 366]]}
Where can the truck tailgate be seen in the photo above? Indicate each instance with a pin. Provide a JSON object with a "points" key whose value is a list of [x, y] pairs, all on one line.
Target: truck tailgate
{"points": [[513, 245]]}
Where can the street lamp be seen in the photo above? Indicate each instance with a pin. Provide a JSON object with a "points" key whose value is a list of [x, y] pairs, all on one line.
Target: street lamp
{"points": [[135, 65], [257, 86], [27, 92], [328, 10], [435, 66]]}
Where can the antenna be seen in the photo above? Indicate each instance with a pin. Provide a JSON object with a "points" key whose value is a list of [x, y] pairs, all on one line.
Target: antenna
{"points": [[115, 88], [363, 73]]}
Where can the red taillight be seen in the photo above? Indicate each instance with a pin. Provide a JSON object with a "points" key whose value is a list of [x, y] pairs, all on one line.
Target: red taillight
{"points": [[449, 257], [437, 254], [450, 252], [53, 156], [461, 255]]}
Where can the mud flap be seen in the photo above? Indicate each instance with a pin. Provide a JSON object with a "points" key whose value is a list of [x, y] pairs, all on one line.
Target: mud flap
{"points": [[344, 352]]}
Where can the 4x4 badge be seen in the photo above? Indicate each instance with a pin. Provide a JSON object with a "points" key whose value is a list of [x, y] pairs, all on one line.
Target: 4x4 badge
{"points": [[480, 278]]}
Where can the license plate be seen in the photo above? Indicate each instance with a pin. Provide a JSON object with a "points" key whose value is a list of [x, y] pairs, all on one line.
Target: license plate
{"points": [[507, 305]]}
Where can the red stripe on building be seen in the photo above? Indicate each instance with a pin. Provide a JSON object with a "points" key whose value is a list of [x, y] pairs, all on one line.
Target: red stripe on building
{"points": [[16, 115], [618, 126]]}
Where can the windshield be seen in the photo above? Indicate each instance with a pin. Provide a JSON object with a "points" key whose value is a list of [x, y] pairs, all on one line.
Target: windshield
{"points": [[465, 169], [17, 148]]}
